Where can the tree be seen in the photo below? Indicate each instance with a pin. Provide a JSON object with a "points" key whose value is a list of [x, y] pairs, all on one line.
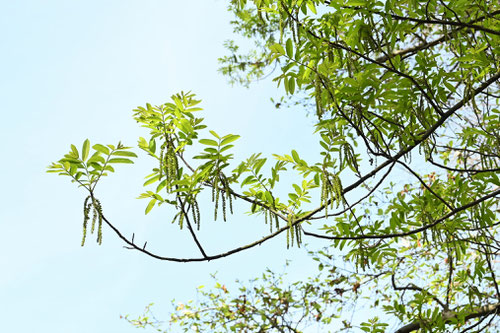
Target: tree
{"points": [[406, 83]]}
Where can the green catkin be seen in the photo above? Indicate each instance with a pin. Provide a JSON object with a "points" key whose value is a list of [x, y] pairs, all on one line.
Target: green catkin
{"points": [[167, 171], [317, 96], [289, 231], [217, 194], [161, 161], [99, 232], [228, 194], [337, 188], [198, 214], [181, 220], [288, 238], [223, 207], [324, 191], [276, 220], [270, 221], [297, 27], [215, 186], [193, 214], [86, 217], [95, 205], [297, 234], [333, 196], [171, 167], [94, 218]]}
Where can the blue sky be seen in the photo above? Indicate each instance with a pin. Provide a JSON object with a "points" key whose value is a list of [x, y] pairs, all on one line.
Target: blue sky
{"points": [[72, 70]]}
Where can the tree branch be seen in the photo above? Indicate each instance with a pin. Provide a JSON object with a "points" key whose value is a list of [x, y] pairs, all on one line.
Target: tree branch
{"points": [[408, 233], [449, 316]]}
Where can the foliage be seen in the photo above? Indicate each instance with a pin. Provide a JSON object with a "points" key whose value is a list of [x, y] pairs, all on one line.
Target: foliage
{"points": [[406, 83], [267, 304]]}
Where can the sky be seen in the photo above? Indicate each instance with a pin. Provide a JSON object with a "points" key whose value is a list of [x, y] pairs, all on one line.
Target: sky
{"points": [[72, 70]]}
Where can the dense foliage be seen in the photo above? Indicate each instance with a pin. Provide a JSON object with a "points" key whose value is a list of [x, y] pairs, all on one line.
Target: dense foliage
{"points": [[394, 85]]}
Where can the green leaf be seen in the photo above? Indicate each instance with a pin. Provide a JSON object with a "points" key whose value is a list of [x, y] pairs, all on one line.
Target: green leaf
{"points": [[209, 142], [229, 138], [258, 165], [152, 146], [291, 85], [289, 48], [224, 148], [152, 180], [295, 156], [120, 160], [124, 153], [109, 168], [75, 151], [150, 205], [277, 48], [214, 134], [101, 148], [311, 6], [96, 158], [85, 149]]}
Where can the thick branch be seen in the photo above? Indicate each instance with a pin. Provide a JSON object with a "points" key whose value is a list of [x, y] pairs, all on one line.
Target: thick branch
{"points": [[447, 316], [412, 232], [423, 46], [441, 22]]}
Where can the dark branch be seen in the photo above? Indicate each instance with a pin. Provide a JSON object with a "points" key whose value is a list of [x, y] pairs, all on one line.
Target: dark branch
{"points": [[448, 316], [408, 233]]}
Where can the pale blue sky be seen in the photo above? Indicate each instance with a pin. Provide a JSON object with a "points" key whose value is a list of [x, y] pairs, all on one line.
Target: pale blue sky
{"points": [[72, 70]]}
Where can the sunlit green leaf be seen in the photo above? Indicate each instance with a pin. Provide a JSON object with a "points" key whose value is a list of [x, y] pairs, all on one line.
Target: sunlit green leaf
{"points": [[209, 142], [124, 153], [229, 138], [101, 148], [85, 149], [120, 160], [150, 205]]}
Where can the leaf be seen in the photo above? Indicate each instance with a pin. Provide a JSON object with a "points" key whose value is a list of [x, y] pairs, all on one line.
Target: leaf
{"points": [[152, 146], [291, 85], [308, 70], [210, 150], [101, 148], [311, 6], [277, 48], [289, 48], [229, 138], [249, 180], [209, 142], [214, 134], [150, 205], [109, 168], [124, 153], [85, 149], [258, 165], [96, 158], [152, 180], [224, 148], [120, 160], [295, 156], [75, 151]]}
